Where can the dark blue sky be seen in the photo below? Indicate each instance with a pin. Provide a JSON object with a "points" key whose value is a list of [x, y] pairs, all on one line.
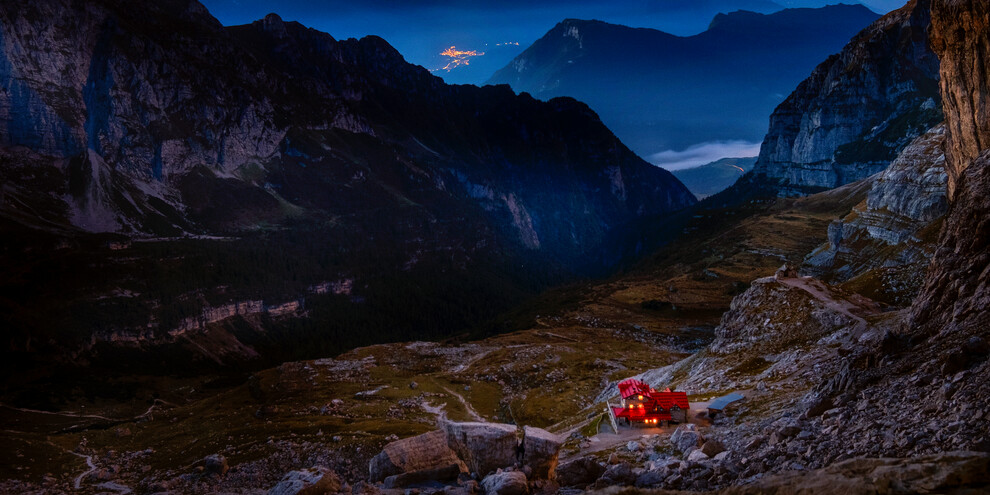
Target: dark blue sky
{"points": [[422, 29]]}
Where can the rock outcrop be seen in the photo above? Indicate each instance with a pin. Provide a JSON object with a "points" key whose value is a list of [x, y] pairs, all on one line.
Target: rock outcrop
{"points": [[426, 455], [686, 438], [487, 450], [857, 110], [484, 447], [953, 302], [771, 317], [886, 242], [540, 450], [959, 37]]}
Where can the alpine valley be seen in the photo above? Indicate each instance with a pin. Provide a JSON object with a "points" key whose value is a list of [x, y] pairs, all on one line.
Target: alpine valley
{"points": [[257, 259]]}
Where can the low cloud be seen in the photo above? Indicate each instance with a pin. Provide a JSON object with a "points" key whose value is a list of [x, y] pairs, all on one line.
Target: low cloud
{"points": [[704, 153]]}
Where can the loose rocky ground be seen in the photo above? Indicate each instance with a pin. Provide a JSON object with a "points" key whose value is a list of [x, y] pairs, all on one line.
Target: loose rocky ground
{"points": [[337, 413], [804, 374]]}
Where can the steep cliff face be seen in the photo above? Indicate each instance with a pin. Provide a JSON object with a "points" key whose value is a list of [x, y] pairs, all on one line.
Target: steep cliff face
{"points": [[959, 31], [322, 159], [140, 98], [953, 302], [885, 244], [857, 110]]}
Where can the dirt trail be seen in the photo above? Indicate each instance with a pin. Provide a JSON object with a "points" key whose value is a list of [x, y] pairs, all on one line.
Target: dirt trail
{"points": [[819, 291], [77, 483], [68, 414], [470, 410], [467, 364], [71, 414]]}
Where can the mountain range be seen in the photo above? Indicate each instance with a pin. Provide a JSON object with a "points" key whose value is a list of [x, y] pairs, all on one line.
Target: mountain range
{"points": [[660, 92], [857, 110], [714, 177], [177, 193], [275, 174]]}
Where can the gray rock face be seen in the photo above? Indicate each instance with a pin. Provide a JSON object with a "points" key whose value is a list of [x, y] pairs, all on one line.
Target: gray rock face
{"points": [[313, 481], [881, 241], [712, 447], [954, 300], [505, 483], [427, 452], [104, 82], [484, 447], [88, 91], [959, 36], [848, 120], [541, 451]]}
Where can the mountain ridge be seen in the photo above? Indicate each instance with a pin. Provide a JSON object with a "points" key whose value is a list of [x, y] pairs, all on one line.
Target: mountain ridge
{"points": [[273, 139], [659, 91], [856, 111]]}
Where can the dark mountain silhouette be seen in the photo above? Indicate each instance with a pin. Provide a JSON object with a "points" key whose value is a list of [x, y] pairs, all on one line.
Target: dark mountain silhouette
{"points": [[270, 164], [658, 91]]}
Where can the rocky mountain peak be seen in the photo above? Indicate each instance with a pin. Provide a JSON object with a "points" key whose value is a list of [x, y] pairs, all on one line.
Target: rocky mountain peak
{"points": [[272, 23], [857, 110]]}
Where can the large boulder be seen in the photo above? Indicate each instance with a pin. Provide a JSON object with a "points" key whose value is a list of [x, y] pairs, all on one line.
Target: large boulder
{"points": [[505, 483], [686, 438], [313, 481], [579, 472], [484, 447], [541, 451], [427, 454]]}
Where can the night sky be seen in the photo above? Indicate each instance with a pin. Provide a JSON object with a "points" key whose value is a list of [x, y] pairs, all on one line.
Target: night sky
{"points": [[422, 29]]}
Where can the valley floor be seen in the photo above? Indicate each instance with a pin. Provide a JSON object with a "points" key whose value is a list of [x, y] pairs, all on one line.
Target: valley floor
{"points": [[793, 345]]}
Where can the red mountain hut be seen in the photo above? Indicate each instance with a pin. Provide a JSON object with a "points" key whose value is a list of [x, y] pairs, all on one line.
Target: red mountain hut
{"points": [[644, 405]]}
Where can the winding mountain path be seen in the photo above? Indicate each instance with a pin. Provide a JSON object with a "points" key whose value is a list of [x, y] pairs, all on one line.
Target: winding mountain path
{"points": [[817, 289], [77, 483], [467, 406]]}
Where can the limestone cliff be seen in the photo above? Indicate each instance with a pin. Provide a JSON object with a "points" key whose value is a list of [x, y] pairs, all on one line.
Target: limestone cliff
{"points": [[857, 110], [959, 36], [884, 245], [954, 300], [291, 158], [157, 115]]}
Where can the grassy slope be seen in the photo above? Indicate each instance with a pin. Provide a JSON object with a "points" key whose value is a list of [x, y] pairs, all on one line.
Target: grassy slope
{"points": [[582, 338]]}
